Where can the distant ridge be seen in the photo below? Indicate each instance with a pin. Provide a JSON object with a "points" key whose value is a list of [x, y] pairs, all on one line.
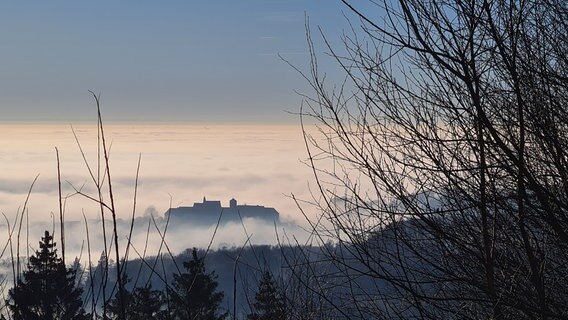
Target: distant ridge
{"points": [[209, 211]]}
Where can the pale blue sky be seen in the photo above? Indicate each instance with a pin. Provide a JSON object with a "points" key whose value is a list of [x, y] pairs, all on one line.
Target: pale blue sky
{"points": [[197, 61]]}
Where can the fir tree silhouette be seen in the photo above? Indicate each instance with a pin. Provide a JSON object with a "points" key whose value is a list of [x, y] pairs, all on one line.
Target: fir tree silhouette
{"points": [[141, 303], [47, 289], [269, 303], [194, 295]]}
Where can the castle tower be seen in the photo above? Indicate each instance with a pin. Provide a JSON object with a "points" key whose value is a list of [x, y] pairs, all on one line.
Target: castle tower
{"points": [[232, 203]]}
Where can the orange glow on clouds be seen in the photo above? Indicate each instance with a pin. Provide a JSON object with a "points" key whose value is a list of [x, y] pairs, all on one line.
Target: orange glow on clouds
{"points": [[256, 164]]}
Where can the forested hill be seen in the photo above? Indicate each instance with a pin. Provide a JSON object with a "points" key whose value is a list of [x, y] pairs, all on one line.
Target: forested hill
{"points": [[233, 267]]}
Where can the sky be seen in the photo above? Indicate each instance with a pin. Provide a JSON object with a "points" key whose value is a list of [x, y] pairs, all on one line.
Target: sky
{"points": [[198, 89], [183, 61]]}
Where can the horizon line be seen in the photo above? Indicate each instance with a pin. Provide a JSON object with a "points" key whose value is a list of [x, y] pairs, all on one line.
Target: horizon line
{"points": [[152, 122]]}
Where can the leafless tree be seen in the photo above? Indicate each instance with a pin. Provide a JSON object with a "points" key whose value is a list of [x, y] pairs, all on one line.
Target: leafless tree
{"points": [[441, 159]]}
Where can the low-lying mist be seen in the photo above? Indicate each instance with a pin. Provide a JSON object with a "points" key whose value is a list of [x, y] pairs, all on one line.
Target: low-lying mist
{"points": [[153, 169], [179, 165], [145, 237]]}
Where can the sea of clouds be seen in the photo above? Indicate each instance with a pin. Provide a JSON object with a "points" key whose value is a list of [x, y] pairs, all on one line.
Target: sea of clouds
{"points": [[180, 164]]}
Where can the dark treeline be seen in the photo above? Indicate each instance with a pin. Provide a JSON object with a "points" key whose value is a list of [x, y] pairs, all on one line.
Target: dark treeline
{"points": [[193, 285], [238, 269], [253, 282]]}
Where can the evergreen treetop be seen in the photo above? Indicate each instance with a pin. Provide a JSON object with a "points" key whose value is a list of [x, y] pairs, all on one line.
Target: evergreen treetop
{"points": [[269, 303], [47, 289], [194, 294]]}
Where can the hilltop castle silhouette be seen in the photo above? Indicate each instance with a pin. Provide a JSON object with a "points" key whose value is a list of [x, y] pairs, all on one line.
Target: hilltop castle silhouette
{"points": [[209, 212]]}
